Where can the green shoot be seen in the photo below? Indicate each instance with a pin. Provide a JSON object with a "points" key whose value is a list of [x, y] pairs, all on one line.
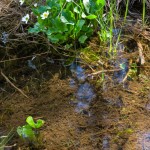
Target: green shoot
{"points": [[143, 14], [126, 12], [29, 132]]}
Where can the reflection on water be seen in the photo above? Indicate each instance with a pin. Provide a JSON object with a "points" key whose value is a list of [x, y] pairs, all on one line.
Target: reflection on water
{"points": [[105, 143], [85, 93], [119, 75], [84, 96], [147, 106], [145, 141], [78, 72]]}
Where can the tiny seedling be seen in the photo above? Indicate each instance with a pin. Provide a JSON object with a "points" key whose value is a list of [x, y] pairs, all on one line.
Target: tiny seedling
{"points": [[29, 132]]}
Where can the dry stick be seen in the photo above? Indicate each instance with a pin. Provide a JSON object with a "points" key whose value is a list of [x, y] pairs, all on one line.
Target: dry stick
{"points": [[102, 71], [141, 56], [9, 147], [24, 57], [19, 90], [124, 79], [141, 59]]}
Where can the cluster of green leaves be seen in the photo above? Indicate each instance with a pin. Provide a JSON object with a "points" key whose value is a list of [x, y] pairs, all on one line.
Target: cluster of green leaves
{"points": [[68, 20], [29, 131]]}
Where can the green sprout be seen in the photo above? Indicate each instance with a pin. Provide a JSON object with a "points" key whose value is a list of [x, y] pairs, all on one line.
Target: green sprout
{"points": [[29, 132]]}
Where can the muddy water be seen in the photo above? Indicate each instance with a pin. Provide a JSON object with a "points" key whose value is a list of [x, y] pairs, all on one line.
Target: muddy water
{"points": [[98, 120], [122, 63], [85, 93]]}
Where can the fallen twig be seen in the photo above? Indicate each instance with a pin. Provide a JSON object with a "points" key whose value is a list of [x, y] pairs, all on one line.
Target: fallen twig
{"points": [[141, 56], [19, 90], [103, 71]]}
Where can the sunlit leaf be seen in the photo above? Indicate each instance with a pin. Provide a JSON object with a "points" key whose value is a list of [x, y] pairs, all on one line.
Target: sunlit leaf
{"points": [[67, 17], [86, 4], [102, 2], [39, 123], [79, 26], [31, 122], [82, 39], [26, 132], [76, 10], [91, 17]]}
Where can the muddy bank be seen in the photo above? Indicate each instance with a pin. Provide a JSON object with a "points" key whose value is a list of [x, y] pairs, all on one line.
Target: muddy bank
{"points": [[118, 118], [93, 99]]}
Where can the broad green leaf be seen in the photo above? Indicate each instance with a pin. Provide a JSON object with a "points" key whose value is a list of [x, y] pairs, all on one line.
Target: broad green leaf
{"points": [[79, 26], [26, 132], [102, 2], [83, 15], [54, 3], [62, 37], [76, 10], [91, 17], [42, 9], [39, 123], [82, 39], [67, 46], [35, 11], [35, 29], [97, 7], [53, 39], [87, 30], [36, 125], [31, 122], [67, 17], [86, 4], [50, 31], [60, 26]]}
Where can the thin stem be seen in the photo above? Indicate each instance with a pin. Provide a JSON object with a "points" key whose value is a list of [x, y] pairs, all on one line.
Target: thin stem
{"points": [[62, 8], [143, 14], [126, 12]]}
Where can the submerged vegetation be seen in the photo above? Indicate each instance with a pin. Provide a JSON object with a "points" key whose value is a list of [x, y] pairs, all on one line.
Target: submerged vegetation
{"points": [[100, 42]]}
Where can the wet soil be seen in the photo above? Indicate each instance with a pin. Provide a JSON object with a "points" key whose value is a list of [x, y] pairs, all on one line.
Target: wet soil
{"points": [[115, 116], [119, 117]]}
